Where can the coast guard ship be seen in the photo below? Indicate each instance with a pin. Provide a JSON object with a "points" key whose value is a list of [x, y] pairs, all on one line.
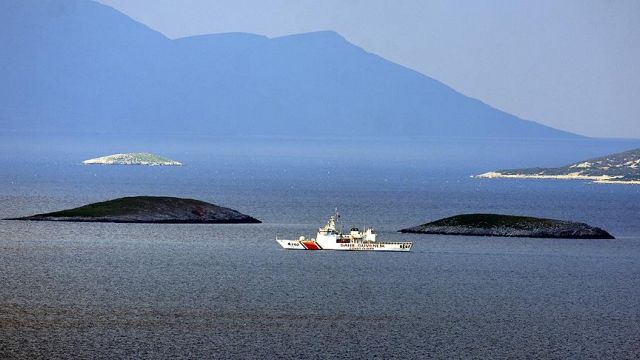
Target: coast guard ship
{"points": [[329, 238]]}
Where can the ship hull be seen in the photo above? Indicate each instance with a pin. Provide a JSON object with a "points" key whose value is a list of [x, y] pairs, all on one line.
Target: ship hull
{"points": [[352, 246]]}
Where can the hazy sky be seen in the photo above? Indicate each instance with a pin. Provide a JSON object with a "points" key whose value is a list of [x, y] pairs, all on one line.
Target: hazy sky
{"points": [[573, 65]]}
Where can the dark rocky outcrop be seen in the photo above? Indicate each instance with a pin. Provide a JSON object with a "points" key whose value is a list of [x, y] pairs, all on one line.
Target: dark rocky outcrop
{"points": [[511, 226], [148, 209]]}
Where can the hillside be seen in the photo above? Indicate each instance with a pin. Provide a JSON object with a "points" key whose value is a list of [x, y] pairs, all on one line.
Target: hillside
{"points": [[83, 68], [621, 167]]}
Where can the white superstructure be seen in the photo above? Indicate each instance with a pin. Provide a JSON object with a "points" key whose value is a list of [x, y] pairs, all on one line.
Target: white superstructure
{"points": [[329, 238]]}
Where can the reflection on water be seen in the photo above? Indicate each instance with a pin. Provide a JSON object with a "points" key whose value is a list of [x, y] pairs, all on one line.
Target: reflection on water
{"points": [[202, 291]]}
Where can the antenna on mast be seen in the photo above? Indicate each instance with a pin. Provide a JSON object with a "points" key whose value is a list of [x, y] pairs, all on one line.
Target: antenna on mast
{"points": [[338, 222]]}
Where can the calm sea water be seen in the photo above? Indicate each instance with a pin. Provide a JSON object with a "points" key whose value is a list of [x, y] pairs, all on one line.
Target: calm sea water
{"points": [[228, 291]]}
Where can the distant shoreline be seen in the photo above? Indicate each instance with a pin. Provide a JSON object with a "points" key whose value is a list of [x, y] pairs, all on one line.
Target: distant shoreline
{"points": [[603, 179]]}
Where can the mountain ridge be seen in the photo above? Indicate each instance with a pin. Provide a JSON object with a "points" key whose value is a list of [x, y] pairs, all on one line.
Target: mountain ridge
{"points": [[134, 78]]}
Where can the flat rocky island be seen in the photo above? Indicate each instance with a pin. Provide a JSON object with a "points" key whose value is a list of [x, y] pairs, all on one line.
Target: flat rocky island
{"points": [[510, 226], [148, 209], [147, 159]]}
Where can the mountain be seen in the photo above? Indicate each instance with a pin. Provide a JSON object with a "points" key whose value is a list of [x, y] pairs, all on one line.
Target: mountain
{"points": [[621, 167], [81, 67]]}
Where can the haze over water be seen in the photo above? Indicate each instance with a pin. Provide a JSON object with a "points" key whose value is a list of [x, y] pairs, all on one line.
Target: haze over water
{"points": [[203, 291], [288, 128]]}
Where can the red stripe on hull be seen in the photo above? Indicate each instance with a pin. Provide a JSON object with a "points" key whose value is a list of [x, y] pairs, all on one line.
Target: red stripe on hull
{"points": [[311, 245]]}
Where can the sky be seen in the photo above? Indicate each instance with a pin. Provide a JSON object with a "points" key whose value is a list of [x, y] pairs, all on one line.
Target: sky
{"points": [[573, 64]]}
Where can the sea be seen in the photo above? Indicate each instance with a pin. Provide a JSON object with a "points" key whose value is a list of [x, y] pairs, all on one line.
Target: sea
{"points": [[89, 290]]}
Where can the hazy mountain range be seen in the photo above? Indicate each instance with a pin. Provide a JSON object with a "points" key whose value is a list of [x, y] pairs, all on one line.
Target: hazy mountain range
{"points": [[82, 67]]}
